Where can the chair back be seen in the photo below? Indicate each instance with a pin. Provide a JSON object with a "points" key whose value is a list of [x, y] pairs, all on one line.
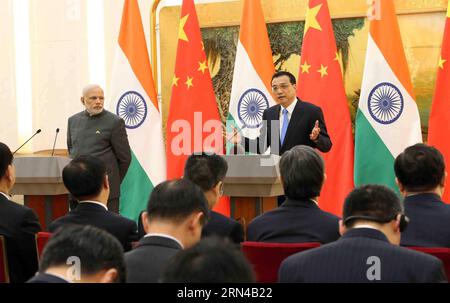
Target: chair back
{"points": [[442, 253], [267, 257], [4, 272], [42, 238]]}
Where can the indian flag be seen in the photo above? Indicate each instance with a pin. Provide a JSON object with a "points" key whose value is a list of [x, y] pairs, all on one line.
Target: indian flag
{"points": [[253, 70], [134, 99], [387, 120]]}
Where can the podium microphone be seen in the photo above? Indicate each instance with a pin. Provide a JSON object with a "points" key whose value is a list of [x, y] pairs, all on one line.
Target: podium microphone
{"points": [[54, 143], [37, 132]]}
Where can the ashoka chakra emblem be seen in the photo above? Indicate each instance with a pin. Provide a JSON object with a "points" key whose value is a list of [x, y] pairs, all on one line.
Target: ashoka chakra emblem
{"points": [[132, 109], [385, 103], [251, 107]]}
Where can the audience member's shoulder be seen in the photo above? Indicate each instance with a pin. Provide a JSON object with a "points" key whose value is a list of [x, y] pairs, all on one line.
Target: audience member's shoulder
{"points": [[330, 216], [220, 218], [17, 208]]}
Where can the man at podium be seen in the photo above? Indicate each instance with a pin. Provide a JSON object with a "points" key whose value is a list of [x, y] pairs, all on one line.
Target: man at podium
{"points": [[290, 123], [102, 134]]}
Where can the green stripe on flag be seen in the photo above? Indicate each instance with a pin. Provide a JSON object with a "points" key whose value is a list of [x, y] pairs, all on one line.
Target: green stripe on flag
{"points": [[374, 164], [134, 190]]}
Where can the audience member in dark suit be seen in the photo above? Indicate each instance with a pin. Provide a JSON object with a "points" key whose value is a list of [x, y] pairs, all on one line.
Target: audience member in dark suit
{"points": [[176, 213], [18, 224], [81, 254], [299, 219], [368, 251], [208, 171], [213, 260], [420, 172], [290, 123], [85, 178]]}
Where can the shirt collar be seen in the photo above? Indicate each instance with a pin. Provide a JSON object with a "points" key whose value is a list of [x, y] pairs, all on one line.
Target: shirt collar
{"points": [[164, 236], [290, 108], [6, 196], [95, 202]]}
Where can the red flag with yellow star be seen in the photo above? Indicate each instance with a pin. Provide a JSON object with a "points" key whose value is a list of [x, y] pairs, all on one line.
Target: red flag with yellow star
{"points": [[439, 126], [320, 82], [194, 123]]}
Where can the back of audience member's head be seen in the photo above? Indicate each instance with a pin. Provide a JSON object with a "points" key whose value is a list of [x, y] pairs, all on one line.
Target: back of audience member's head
{"points": [[374, 204], [6, 159], [99, 254], [212, 260], [420, 168], [302, 172], [175, 200], [84, 177], [207, 171], [177, 205]]}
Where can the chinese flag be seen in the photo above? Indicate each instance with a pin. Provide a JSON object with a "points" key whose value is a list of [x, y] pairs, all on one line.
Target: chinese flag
{"points": [[193, 104], [439, 124], [320, 82]]}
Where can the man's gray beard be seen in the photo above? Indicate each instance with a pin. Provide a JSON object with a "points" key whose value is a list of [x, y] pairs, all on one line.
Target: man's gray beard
{"points": [[95, 112]]}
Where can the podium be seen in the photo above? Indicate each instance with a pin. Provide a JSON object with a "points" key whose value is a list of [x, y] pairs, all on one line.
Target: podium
{"points": [[253, 183], [39, 179]]}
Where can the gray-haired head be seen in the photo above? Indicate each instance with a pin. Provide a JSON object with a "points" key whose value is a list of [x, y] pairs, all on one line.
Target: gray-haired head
{"points": [[89, 87], [302, 172]]}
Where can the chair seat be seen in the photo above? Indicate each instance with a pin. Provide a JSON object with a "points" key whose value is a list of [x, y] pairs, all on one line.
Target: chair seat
{"points": [[267, 257]]}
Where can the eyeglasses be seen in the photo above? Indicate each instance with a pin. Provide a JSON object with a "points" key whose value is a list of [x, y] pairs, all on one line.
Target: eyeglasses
{"points": [[281, 87]]}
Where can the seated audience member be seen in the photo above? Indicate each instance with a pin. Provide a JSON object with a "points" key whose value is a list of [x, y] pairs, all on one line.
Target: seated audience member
{"points": [[369, 249], [212, 260], [176, 213], [18, 224], [81, 254], [86, 179], [208, 172], [299, 219], [420, 172]]}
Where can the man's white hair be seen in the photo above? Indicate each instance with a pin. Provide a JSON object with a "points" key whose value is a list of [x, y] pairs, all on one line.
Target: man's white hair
{"points": [[90, 87]]}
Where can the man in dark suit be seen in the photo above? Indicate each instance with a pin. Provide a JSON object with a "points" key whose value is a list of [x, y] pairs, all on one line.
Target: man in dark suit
{"points": [[100, 133], [18, 224], [290, 123], [420, 172], [176, 213], [299, 219], [368, 251], [208, 172], [86, 179], [81, 254]]}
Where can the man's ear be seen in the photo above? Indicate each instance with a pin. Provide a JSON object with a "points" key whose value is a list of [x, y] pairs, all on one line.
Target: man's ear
{"points": [[109, 276], [144, 218], [400, 186], [443, 179], [82, 100], [396, 223], [342, 228], [195, 221], [106, 182]]}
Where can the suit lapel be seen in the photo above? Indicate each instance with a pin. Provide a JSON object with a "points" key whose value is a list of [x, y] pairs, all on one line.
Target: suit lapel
{"points": [[296, 119]]}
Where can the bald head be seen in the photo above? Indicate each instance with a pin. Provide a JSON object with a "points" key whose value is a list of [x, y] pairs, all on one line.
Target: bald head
{"points": [[93, 99]]}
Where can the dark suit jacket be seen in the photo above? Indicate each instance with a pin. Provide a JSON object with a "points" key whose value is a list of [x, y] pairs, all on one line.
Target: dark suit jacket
{"points": [[46, 278], [19, 225], [125, 230], [147, 261], [219, 225], [295, 221], [103, 136], [347, 261], [429, 221], [300, 126]]}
